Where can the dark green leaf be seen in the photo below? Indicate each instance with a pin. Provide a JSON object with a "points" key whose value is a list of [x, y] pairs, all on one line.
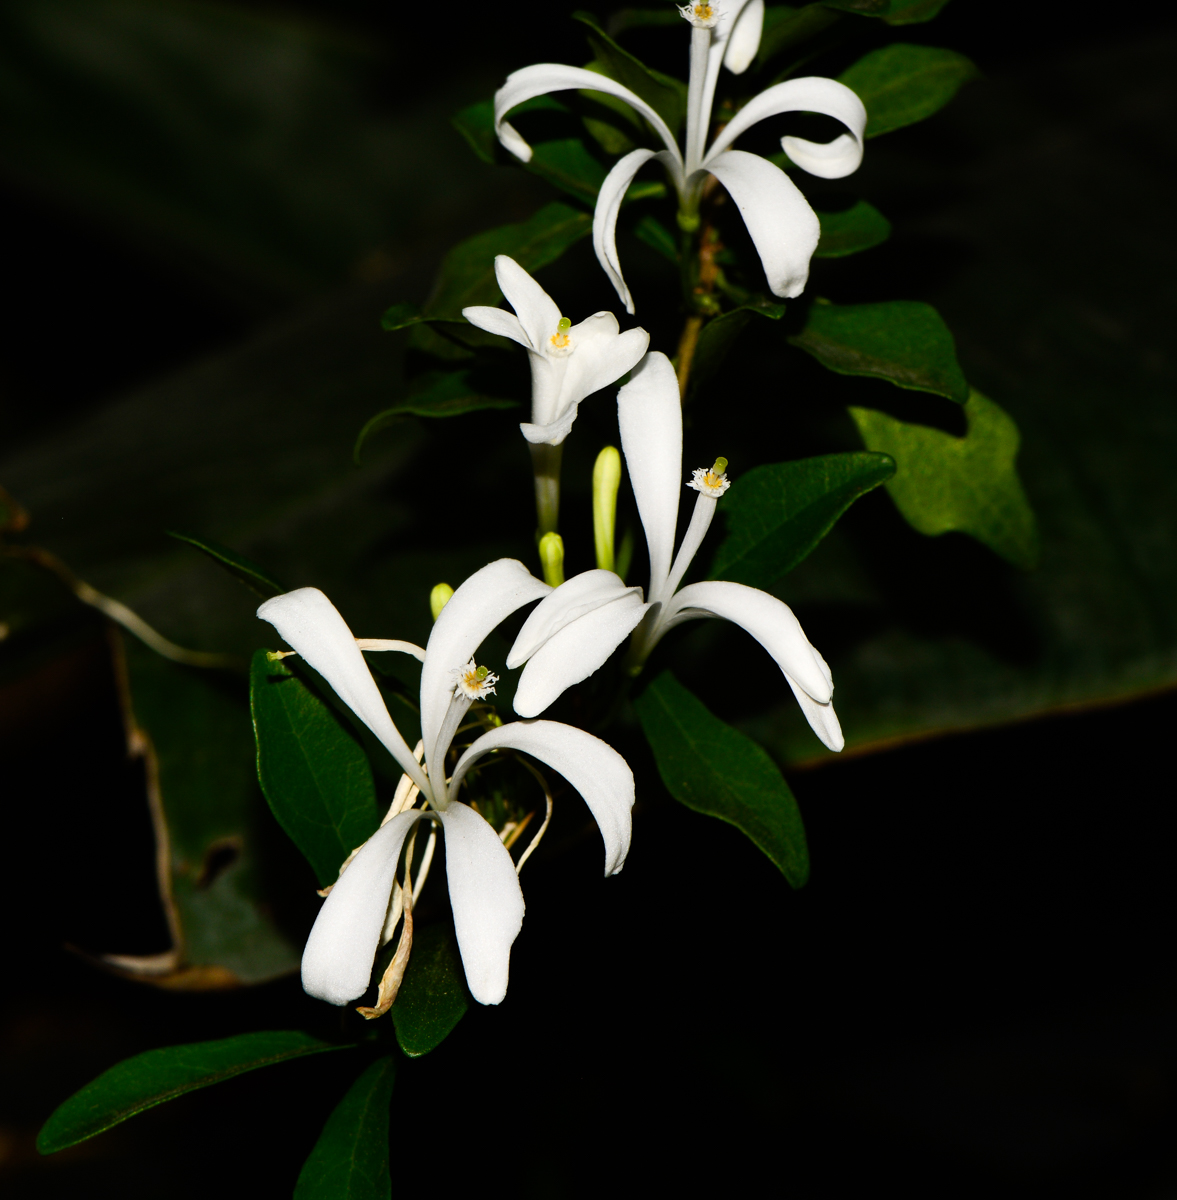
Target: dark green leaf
{"points": [[476, 123], [912, 12], [664, 94], [786, 27], [903, 341], [714, 769], [858, 228], [315, 775], [866, 8], [156, 1076], [718, 336], [651, 231], [433, 997], [350, 1159], [401, 316], [776, 514], [642, 18], [968, 484], [901, 84], [568, 165], [256, 578]]}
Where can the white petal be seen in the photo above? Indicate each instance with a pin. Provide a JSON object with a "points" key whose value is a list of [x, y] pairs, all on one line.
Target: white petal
{"points": [[538, 313], [821, 717], [551, 434], [495, 320], [382, 645], [485, 599], [769, 620], [579, 595], [811, 94], [337, 961], [609, 198], [591, 766], [744, 39], [650, 417], [485, 897], [576, 652], [311, 624], [600, 360], [542, 78], [782, 226]]}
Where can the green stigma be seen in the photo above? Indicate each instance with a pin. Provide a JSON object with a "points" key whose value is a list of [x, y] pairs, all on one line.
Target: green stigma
{"points": [[720, 466], [563, 325], [482, 673]]}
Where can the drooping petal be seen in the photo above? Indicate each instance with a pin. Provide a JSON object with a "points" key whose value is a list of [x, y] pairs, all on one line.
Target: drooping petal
{"points": [[381, 645], [609, 198], [821, 717], [811, 94], [601, 357], [783, 228], [486, 900], [744, 39], [482, 602], [590, 765], [650, 417], [497, 320], [769, 620], [311, 624], [579, 595], [538, 313], [543, 78], [576, 652], [337, 960]]}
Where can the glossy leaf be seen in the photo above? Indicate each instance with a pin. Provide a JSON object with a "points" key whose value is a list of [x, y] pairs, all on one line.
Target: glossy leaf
{"points": [[901, 84], [719, 335], [714, 769], [350, 1159], [969, 484], [912, 12], [651, 231], [786, 27], [776, 514], [864, 8], [257, 579], [314, 774], [642, 18], [666, 95], [903, 341], [156, 1076], [567, 164], [433, 997], [858, 228]]}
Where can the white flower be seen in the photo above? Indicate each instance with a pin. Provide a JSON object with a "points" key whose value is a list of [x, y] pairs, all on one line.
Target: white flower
{"points": [[483, 884], [568, 362], [783, 227], [572, 631]]}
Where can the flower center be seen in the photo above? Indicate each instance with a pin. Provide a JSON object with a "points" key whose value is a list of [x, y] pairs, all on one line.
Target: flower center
{"points": [[701, 14], [713, 482], [560, 339], [474, 682]]}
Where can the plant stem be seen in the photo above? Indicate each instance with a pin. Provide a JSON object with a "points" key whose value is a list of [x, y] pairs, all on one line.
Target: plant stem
{"points": [[687, 342], [545, 461]]}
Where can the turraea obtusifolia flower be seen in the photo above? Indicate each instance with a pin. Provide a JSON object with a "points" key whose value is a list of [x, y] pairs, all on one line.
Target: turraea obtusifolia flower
{"points": [[483, 883], [573, 631], [782, 226]]}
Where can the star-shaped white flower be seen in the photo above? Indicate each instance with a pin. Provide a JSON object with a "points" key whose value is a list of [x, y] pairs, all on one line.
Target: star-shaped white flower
{"points": [[572, 631], [782, 226], [568, 362], [483, 885]]}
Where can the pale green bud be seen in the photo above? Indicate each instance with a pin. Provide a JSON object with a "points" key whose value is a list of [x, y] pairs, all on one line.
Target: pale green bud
{"points": [[551, 554], [439, 598], [606, 481]]}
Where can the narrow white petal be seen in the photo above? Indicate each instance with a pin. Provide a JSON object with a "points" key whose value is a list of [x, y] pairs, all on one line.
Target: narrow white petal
{"points": [[538, 313], [382, 645], [744, 39], [598, 361], [783, 228], [484, 600], [650, 417], [769, 620], [337, 961], [486, 900], [576, 652], [821, 717], [551, 434], [311, 624], [591, 766], [609, 198], [579, 595], [811, 94], [496, 320], [543, 78]]}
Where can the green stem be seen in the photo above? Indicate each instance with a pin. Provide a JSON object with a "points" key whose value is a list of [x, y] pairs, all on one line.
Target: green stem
{"points": [[545, 462]]}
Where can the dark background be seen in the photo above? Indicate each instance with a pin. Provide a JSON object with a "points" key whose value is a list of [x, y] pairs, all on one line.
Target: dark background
{"points": [[974, 995]]}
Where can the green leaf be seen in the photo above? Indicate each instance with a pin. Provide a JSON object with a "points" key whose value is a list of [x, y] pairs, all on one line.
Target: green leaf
{"points": [[651, 231], [786, 27], [433, 997], [903, 341], [901, 84], [642, 18], [148, 1079], [714, 769], [858, 228], [476, 123], [256, 578], [719, 335], [567, 164], [912, 12], [864, 8], [968, 484], [776, 514], [350, 1159], [666, 95], [314, 774]]}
